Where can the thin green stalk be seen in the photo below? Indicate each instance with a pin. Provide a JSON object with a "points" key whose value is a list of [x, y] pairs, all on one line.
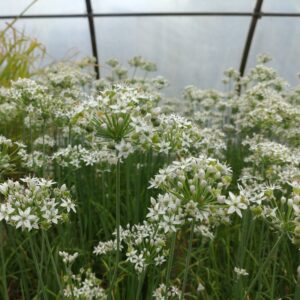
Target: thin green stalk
{"points": [[3, 275], [152, 274], [243, 237], [18, 251], [44, 149], [141, 281], [38, 270], [188, 259], [128, 202], [170, 262], [42, 258], [274, 276], [45, 236], [31, 143], [137, 186], [118, 221], [262, 267]]}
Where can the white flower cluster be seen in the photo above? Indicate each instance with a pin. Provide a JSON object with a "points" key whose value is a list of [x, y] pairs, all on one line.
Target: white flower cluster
{"points": [[67, 257], [178, 135], [194, 192], [263, 110], [68, 76], [240, 272], [131, 120], [294, 203], [76, 156], [45, 141], [124, 117], [144, 245], [278, 204], [167, 212], [162, 293], [271, 160], [266, 76], [11, 154], [84, 285], [139, 65], [34, 203], [193, 177], [105, 247], [209, 108]]}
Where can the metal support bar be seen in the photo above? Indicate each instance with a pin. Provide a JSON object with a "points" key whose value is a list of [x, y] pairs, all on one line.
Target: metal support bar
{"points": [[93, 36], [256, 15], [155, 14]]}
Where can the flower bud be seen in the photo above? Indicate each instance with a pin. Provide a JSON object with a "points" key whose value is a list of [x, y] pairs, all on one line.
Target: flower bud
{"points": [[192, 189], [104, 126], [290, 202], [283, 200], [221, 199]]}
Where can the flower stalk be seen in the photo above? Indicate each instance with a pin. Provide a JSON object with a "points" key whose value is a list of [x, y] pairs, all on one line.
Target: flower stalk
{"points": [[188, 259]]}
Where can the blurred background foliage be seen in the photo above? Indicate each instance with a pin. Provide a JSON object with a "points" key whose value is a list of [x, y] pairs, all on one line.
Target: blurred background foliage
{"points": [[19, 53]]}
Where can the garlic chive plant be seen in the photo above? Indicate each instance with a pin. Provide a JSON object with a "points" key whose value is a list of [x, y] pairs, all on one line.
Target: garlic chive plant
{"points": [[111, 190], [31, 204], [34, 203], [11, 156]]}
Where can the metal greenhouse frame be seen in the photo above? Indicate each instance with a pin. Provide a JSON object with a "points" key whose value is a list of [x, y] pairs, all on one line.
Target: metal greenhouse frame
{"points": [[90, 15]]}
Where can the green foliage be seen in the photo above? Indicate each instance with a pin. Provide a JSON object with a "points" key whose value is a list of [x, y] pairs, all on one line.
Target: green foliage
{"points": [[18, 52], [18, 55], [208, 203]]}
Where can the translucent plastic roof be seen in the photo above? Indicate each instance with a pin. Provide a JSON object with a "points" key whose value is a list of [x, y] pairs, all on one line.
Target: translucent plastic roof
{"points": [[187, 49], [171, 5], [14, 7]]}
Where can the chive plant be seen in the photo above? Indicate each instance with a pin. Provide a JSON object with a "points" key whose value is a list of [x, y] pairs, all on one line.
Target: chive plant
{"points": [[110, 191]]}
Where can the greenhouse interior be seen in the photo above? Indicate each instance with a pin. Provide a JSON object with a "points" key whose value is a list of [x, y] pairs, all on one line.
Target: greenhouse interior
{"points": [[149, 149]]}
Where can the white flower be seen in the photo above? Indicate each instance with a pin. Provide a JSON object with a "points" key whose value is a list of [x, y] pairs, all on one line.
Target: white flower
{"points": [[200, 287], [159, 260], [105, 247], [235, 204], [137, 260], [124, 149], [3, 188], [67, 257], [161, 293], [68, 204], [52, 215], [25, 220], [240, 272], [164, 147], [5, 211], [168, 223]]}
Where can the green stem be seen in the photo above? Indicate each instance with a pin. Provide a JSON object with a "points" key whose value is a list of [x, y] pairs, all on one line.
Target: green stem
{"points": [[263, 266], [36, 264], [42, 258], [31, 144], [141, 281], [274, 276], [20, 252], [3, 268], [170, 263], [44, 149], [188, 259], [118, 188], [45, 236]]}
